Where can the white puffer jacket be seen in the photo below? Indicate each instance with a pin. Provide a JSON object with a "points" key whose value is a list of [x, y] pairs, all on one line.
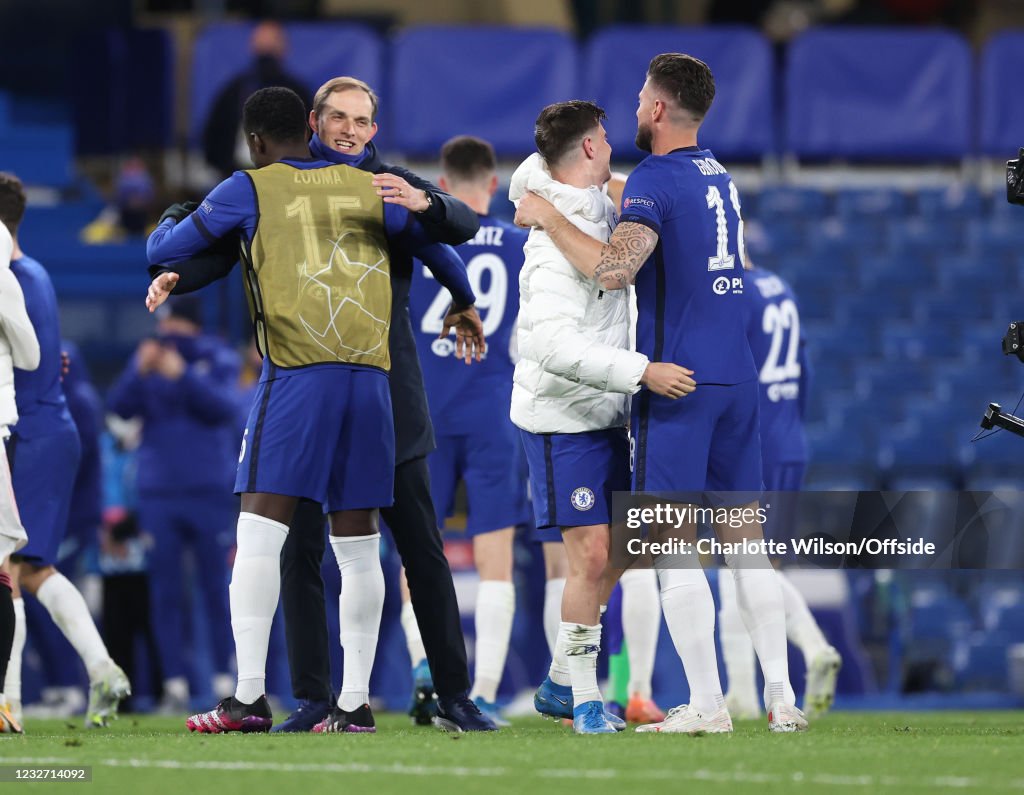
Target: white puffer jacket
{"points": [[18, 344], [575, 372]]}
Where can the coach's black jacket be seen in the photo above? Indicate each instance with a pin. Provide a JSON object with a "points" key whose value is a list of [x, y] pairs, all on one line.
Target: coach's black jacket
{"points": [[447, 220]]}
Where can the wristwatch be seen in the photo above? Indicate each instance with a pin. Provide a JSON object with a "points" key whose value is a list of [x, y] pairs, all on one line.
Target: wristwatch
{"points": [[430, 201]]}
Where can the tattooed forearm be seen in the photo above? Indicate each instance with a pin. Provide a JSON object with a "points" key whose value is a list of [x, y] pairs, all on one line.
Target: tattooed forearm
{"points": [[626, 252]]}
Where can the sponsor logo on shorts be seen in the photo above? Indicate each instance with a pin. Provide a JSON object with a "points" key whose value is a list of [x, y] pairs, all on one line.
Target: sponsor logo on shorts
{"points": [[206, 207], [582, 499], [723, 285]]}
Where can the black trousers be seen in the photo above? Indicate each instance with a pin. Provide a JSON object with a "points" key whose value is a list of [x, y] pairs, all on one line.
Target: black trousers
{"points": [[414, 528]]}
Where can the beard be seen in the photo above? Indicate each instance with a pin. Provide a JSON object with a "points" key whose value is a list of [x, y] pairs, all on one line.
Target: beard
{"points": [[643, 138]]}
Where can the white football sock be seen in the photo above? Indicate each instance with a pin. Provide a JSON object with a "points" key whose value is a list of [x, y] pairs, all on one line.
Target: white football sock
{"points": [[553, 591], [12, 685], [413, 639], [69, 612], [801, 627], [495, 607], [558, 671], [253, 593], [689, 612], [582, 645], [760, 600], [737, 649], [359, 610], [641, 619]]}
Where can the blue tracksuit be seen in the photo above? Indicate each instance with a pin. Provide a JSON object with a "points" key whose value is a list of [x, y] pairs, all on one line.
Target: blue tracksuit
{"points": [[186, 464]]}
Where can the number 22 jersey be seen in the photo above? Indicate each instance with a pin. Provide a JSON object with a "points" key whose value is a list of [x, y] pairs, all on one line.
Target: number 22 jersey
{"points": [[470, 398]]}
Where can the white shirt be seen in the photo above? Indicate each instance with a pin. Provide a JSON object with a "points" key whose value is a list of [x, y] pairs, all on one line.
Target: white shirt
{"points": [[575, 370]]}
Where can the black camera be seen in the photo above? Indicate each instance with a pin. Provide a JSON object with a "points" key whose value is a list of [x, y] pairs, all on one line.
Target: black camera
{"points": [[1013, 345], [1015, 179]]}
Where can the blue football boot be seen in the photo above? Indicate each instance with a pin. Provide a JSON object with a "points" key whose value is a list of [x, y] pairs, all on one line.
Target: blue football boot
{"points": [[590, 718], [553, 700]]}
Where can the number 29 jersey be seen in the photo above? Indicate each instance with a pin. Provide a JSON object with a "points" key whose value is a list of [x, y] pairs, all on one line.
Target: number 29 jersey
{"points": [[689, 292], [461, 397], [773, 329]]}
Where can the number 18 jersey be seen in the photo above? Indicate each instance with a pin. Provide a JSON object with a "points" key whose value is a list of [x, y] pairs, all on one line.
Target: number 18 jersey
{"points": [[473, 397], [689, 292]]}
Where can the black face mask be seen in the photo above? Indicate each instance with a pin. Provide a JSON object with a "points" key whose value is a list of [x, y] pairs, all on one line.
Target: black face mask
{"points": [[268, 68]]}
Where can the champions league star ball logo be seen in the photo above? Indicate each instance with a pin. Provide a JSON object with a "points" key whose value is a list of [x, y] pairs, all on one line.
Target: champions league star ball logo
{"points": [[582, 499]]}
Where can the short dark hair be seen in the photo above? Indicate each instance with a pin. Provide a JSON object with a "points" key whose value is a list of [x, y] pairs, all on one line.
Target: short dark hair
{"points": [[12, 201], [686, 79], [560, 127], [466, 158], [276, 113]]}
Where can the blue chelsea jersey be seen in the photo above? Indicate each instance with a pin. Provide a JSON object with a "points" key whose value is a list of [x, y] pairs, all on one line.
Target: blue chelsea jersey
{"points": [[465, 398], [773, 329], [690, 290]]}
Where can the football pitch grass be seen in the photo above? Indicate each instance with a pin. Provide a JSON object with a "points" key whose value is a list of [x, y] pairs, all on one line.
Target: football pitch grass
{"points": [[937, 752]]}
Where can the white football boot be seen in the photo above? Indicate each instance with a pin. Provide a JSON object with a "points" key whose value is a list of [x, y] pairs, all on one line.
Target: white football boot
{"points": [[785, 718], [685, 719]]}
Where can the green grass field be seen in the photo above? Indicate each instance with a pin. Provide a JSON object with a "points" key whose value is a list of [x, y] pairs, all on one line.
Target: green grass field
{"points": [[844, 752]]}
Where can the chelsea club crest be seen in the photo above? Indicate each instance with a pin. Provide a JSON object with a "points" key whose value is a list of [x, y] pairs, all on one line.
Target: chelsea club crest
{"points": [[582, 499]]}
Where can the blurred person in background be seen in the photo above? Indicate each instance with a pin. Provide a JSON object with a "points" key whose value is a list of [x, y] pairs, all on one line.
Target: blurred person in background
{"points": [[63, 697], [18, 348], [476, 441], [44, 452], [127, 599], [780, 354], [223, 141], [182, 384]]}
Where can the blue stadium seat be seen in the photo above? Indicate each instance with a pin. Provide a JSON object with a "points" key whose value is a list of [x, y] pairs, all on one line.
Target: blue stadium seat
{"points": [[924, 236], [953, 308], [834, 236], [741, 122], [996, 238], [802, 204], [915, 341], [781, 235], [843, 341], [843, 461], [317, 51], [871, 203], [861, 308], [918, 457], [486, 81], [1002, 119], [39, 155], [982, 342], [910, 99], [981, 663], [958, 202], [890, 380], [816, 302], [895, 272]]}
